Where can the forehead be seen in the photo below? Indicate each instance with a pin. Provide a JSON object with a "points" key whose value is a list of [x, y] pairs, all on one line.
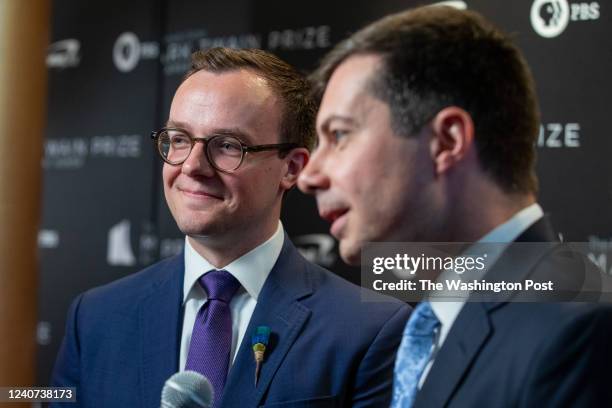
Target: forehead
{"points": [[347, 88], [235, 99]]}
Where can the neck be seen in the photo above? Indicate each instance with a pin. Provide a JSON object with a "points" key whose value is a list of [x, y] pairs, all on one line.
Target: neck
{"points": [[221, 251], [482, 209]]}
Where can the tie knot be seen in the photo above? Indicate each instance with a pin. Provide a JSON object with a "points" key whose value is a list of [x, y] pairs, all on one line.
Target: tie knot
{"points": [[219, 285], [423, 321]]}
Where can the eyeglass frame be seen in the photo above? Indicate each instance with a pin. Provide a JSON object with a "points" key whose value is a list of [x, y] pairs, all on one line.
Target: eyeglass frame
{"points": [[244, 147]]}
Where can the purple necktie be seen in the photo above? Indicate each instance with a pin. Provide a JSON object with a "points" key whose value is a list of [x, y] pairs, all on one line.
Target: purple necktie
{"points": [[211, 338]]}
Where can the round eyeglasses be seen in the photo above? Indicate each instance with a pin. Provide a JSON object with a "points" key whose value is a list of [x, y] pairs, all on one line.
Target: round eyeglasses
{"points": [[224, 152]]}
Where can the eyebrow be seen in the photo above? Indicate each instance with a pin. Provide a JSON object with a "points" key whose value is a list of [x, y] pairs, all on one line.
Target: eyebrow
{"points": [[237, 132], [325, 125], [173, 124]]}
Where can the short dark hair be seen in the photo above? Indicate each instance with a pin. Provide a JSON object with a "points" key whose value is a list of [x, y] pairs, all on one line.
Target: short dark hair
{"points": [[436, 56], [299, 109]]}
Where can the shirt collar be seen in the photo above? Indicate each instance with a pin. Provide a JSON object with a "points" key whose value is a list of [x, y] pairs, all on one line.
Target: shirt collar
{"points": [[251, 269], [507, 232], [515, 226]]}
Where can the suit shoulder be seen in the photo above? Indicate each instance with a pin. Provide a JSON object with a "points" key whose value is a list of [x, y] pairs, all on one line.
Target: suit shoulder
{"points": [[137, 284], [336, 289], [548, 320]]}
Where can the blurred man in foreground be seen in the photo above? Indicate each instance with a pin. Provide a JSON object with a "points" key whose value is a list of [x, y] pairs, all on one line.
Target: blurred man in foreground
{"points": [[426, 133], [237, 137]]}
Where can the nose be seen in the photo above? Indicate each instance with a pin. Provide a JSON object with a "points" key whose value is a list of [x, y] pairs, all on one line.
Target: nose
{"points": [[314, 177], [197, 163]]}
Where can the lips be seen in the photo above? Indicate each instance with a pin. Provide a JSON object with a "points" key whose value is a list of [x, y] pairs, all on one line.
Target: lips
{"points": [[332, 215], [337, 217], [196, 193]]}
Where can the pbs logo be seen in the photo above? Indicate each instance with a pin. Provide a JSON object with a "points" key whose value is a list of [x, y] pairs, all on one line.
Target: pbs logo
{"points": [[550, 17], [126, 52], [129, 50]]}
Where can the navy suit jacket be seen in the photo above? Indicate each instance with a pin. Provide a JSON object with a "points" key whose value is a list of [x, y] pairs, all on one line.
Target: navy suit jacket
{"points": [[504, 354], [328, 347]]}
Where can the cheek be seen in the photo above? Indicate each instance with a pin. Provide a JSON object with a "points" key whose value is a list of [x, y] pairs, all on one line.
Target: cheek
{"points": [[359, 181], [263, 178], [169, 174], [257, 188]]}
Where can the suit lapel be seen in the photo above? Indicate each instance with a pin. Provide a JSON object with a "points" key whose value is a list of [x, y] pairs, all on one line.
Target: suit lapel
{"points": [[472, 328], [160, 319], [277, 307], [465, 339], [518, 260], [540, 231]]}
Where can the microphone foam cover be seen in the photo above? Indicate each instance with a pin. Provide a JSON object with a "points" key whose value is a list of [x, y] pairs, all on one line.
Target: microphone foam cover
{"points": [[187, 389]]}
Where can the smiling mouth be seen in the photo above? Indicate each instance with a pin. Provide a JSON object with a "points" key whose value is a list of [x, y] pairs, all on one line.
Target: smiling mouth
{"points": [[199, 194]]}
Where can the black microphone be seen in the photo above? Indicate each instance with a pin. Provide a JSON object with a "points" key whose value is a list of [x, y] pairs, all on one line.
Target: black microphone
{"points": [[187, 389]]}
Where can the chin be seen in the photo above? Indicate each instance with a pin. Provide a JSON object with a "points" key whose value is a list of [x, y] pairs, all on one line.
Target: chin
{"points": [[195, 230], [350, 253]]}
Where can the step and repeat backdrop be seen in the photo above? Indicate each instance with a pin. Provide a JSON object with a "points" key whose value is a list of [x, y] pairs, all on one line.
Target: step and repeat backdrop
{"points": [[114, 66]]}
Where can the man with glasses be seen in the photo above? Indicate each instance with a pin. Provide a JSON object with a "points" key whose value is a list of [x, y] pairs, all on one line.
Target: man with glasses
{"points": [[238, 135], [427, 131]]}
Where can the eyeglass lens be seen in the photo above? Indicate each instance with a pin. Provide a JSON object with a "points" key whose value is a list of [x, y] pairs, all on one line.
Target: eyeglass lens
{"points": [[224, 151]]}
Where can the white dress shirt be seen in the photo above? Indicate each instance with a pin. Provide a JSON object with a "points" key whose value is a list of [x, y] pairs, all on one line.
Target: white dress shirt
{"points": [[251, 270], [447, 312]]}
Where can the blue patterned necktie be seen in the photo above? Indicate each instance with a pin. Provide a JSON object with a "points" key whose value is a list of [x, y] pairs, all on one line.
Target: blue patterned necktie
{"points": [[413, 354], [211, 338]]}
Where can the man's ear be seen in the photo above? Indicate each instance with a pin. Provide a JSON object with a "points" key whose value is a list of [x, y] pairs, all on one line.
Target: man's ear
{"points": [[295, 161], [452, 138]]}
